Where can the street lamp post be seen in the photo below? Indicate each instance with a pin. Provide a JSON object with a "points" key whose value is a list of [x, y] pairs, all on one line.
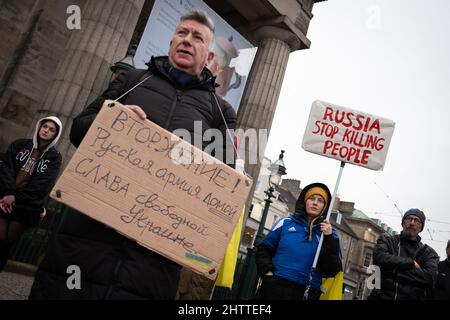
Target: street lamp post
{"points": [[248, 286], [124, 65]]}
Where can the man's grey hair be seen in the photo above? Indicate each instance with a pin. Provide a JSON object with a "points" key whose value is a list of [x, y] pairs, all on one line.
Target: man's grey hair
{"points": [[201, 17]]}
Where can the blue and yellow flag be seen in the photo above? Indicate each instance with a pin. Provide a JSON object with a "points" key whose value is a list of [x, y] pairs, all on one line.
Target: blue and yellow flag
{"points": [[226, 273], [333, 287]]}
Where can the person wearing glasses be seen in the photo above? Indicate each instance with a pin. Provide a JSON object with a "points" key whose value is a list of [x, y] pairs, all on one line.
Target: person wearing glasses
{"points": [[408, 267]]}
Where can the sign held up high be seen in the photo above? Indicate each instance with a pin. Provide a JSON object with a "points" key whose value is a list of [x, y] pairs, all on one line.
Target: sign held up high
{"points": [[348, 135], [156, 188]]}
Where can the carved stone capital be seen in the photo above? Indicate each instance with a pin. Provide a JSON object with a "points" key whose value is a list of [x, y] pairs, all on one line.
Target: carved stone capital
{"points": [[270, 32]]}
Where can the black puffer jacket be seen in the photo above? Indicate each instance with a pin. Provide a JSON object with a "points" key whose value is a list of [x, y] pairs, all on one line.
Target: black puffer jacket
{"points": [[400, 280], [167, 103], [442, 287], [113, 266]]}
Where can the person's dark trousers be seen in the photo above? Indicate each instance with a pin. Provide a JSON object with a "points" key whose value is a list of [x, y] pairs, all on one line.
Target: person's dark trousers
{"points": [[5, 247], [276, 288]]}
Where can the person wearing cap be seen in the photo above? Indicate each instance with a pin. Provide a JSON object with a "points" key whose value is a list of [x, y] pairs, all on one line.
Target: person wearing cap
{"points": [[285, 256], [27, 174], [408, 267], [442, 287]]}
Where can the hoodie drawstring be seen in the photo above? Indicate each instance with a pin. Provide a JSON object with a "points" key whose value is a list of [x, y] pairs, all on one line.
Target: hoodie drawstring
{"points": [[311, 227]]}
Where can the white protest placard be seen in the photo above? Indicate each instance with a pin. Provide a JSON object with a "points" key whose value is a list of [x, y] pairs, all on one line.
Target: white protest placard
{"points": [[142, 181], [348, 135]]}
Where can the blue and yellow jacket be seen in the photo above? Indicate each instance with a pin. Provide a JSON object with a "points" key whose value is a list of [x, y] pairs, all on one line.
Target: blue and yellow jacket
{"points": [[289, 249]]}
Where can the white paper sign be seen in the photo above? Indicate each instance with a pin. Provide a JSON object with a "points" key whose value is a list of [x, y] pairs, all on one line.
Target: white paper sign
{"points": [[348, 135]]}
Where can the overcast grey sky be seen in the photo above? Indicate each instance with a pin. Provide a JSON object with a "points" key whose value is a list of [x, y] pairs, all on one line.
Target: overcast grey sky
{"points": [[389, 58]]}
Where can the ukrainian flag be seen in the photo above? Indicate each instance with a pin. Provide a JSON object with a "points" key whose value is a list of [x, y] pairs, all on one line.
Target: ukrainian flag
{"points": [[333, 287], [226, 273]]}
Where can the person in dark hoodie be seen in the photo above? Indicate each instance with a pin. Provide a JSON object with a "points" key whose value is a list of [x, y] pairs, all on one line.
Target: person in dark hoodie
{"points": [[174, 92], [442, 286], [408, 267], [27, 174], [285, 256]]}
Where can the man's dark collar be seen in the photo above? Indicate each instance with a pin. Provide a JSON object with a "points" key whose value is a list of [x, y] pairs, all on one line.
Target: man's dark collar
{"points": [[403, 235]]}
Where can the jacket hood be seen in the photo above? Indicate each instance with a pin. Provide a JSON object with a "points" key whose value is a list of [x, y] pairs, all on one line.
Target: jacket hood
{"points": [[36, 132], [161, 63], [300, 204]]}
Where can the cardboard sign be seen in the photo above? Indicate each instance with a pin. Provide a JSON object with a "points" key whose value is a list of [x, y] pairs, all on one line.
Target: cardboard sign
{"points": [[142, 180], [348, 135]]}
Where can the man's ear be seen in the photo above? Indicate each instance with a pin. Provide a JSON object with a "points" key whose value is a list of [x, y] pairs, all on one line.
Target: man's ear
{"points": [[210, 57]]}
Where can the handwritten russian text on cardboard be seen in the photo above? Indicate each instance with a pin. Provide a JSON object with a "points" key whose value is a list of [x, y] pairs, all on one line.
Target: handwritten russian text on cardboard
{"points": [[142, 180], [348, 135]]}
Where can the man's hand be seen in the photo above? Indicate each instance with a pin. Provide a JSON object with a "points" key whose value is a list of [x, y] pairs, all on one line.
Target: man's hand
{"points": [[416, 265], [269, 273], [7, 203], [138, 110]]}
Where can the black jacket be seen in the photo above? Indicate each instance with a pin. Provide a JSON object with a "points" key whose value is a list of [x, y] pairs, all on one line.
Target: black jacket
{"points": [[113, 266], [400, 280], [168, 104], [442, 287], [31, 197]]}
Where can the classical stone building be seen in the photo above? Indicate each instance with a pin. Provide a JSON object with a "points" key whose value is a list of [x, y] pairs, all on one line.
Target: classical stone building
{"points": [[46, 68]]}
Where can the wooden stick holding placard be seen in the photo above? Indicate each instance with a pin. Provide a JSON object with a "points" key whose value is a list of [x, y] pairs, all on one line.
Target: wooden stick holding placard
{"points": [[150, 185]]}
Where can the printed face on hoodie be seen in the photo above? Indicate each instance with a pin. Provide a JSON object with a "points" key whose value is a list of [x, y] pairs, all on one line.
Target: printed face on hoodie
{"points": [[48, 131], [314, 205]]}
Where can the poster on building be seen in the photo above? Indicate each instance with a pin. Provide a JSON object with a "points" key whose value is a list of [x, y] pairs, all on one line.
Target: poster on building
{"points": [[156, 188], [348, 135], [233, 53]]}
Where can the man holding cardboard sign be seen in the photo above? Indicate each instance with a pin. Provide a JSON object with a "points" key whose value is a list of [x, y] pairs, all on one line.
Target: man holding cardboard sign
{"points": [[174, 92]]}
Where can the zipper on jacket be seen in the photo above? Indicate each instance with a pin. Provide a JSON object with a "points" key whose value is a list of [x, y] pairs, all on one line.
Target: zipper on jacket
{"points": [[172, 109], [396, 282], [115, 273]]}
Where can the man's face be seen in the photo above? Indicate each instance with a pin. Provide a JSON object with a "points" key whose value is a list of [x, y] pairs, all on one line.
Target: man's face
{"points": [[412, 226], [189, 47], [448, 253]]}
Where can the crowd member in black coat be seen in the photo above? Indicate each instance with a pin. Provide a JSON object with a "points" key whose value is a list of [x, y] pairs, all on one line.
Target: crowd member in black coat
{"points": [[442, 287], [27, 174], [176, 91], [408, 267]]}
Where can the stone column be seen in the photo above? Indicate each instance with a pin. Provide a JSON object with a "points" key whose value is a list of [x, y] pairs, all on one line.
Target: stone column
{"points": [[106, 30], [263, 89]]}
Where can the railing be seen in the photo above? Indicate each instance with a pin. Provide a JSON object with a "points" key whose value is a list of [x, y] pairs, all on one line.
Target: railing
{"points": [[32, 246], [222, 293]]}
